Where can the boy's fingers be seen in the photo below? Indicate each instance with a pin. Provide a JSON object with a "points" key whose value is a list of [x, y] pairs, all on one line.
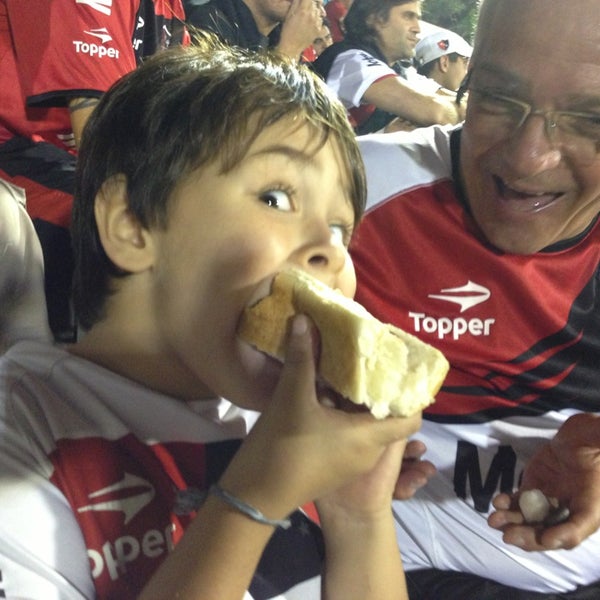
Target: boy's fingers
{"points": [[299, 343], [298, 372], [299, 378]]}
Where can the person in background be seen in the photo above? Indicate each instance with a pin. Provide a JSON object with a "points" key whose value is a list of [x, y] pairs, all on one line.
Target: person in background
{"points": [[57, 57], [366, 73], [23, 312], [288, 27], [336, 11], [324, 40], [124, 472], [319, 44], [484, 240], [444, 57]]}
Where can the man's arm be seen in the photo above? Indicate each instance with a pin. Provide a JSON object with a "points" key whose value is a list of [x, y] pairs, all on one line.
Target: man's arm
{"points": [[80, 110], [394, 95]]}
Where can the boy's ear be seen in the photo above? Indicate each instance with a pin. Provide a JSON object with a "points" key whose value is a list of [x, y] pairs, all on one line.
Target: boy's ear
{"points": [[126, 242]]}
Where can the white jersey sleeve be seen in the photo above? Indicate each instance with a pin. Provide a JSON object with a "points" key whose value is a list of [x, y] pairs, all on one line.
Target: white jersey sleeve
{"points": [[42, 552], [422, 84], [22, 301], [353, 72]]}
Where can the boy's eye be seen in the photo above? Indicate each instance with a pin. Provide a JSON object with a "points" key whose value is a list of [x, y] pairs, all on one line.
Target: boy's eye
{"points": [[280, 199], [341, 234]]}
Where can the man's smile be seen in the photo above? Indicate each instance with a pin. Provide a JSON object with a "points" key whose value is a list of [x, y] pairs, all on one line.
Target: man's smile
{"points": [[523, 200]]}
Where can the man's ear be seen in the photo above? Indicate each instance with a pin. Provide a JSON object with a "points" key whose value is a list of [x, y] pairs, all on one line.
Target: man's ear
{"points": [[443, 62], [375, 22], [126, 242]]}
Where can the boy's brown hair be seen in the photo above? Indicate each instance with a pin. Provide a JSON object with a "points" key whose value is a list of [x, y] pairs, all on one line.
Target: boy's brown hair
{"points": [[182, 110]]}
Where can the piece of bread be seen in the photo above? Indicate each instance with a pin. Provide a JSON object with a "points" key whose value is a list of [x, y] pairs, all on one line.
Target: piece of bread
{"points": [[366, 361]]}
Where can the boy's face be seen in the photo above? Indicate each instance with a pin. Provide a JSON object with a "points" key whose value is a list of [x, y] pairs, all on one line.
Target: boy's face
{"points": [[286, 203]]}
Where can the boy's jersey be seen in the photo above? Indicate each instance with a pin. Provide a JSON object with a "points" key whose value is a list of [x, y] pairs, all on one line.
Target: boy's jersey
{"points": [[522, 334], [100, 477], [51, 50]]}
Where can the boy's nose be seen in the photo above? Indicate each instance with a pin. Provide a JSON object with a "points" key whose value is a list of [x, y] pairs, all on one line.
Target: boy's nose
{"points": [[329, 256], [325, 258]]}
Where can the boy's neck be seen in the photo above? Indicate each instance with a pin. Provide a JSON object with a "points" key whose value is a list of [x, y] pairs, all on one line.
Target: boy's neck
{"points": [[140, 361]]}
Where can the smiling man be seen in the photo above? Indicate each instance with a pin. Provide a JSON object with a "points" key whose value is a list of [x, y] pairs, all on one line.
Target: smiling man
{"points": [[484, 241]]}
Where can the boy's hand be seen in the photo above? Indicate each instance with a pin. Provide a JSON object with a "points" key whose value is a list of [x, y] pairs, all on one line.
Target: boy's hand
{"points": [[403, 457], [301, 449], [567, 468]]}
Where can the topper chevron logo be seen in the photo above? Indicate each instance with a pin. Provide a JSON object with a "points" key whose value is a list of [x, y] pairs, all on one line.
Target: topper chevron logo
{"points": [[103, 6], [129, 496], [102, 34], [467, 296]]}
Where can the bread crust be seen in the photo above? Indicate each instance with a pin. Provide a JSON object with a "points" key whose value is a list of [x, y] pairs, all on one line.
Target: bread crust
{"points": [[368, 362]]}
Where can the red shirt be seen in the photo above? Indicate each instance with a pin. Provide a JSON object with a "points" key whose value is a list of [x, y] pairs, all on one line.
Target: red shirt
{"points": [[336, 11], [53, 50]]}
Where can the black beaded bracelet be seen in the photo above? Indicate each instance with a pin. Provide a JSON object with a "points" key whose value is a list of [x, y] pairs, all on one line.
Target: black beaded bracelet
{"points": [[246, 509]]}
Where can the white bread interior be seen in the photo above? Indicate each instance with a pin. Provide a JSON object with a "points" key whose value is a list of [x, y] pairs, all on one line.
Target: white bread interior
{"points": [[389, 371]]}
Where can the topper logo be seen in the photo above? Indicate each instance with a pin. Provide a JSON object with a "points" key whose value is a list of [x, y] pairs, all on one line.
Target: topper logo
{"points": [[443, 44], [102, 34], [97, 50], [120, 497], [102, 6], [116, 557], [469, 295]]}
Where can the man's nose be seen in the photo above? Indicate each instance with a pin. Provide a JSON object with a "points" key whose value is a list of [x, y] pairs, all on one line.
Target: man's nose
{"points": [[532, 148]]}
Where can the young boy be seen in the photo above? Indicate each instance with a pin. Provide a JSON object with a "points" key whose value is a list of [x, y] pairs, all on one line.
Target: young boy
{"points": [[190, 199]]}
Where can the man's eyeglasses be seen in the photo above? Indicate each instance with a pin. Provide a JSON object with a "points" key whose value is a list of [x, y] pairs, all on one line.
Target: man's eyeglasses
{"points": [[577, 132]]}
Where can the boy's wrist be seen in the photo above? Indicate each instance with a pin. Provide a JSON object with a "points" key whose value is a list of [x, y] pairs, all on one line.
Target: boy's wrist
{"points": [[341, 519], [246, 509], [269, 500]]}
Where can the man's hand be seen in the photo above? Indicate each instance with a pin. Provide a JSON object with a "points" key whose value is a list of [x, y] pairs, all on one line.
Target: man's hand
{"points": [[399, 124], [301, 26], [567, 468], [415, 473]]}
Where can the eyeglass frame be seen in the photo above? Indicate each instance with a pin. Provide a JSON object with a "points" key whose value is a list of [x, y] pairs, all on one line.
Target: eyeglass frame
{"points": [[551, 117]]}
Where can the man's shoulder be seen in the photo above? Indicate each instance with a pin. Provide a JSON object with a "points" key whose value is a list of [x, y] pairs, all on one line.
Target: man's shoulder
{"points": [[232, 21], [397, 162], [23, 313], [227, 11], [345, 51], [214, 15]]}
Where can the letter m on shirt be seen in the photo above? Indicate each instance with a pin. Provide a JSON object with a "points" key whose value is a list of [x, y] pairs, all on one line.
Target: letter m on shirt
{"points": [[500, 476]]}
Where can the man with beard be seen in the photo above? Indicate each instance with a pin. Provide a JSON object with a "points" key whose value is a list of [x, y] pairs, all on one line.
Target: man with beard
{"points": [[369, 70]]}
